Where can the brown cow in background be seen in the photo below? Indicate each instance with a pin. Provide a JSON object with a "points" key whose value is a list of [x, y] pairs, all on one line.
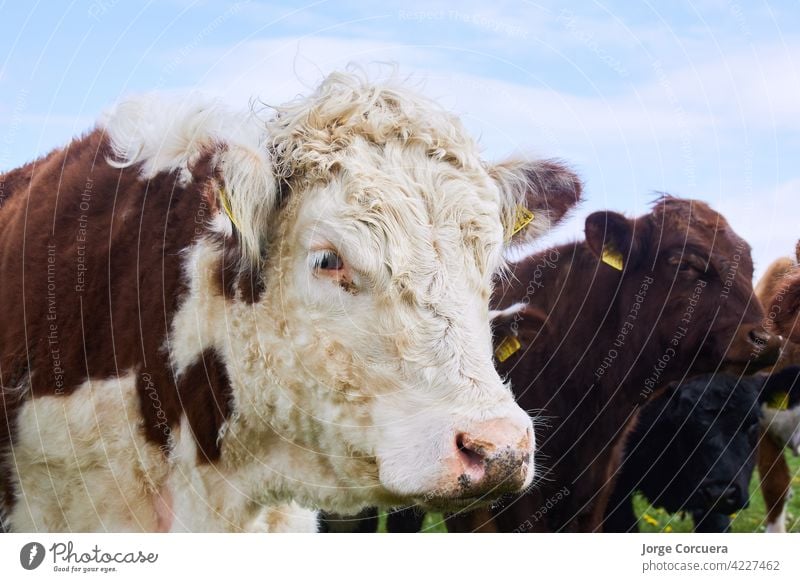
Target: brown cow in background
{"points": [[590, 331]]}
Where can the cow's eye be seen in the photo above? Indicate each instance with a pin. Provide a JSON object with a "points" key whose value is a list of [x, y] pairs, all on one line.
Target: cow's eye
{"points": [[688, 264], [327, 260], [327, 264]]}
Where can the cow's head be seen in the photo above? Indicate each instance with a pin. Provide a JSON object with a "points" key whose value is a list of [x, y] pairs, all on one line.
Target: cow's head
{"points": [[379, 270], [703, 436], [361, 234], [701, 299]]}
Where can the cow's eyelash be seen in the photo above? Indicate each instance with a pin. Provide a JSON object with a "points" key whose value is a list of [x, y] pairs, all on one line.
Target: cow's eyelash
{"points": [[326, 260]]}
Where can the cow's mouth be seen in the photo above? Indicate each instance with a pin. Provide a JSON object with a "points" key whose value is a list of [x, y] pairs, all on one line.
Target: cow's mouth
{"points": [[466, 501], [467, 494], [757, 349], [753, 364]]}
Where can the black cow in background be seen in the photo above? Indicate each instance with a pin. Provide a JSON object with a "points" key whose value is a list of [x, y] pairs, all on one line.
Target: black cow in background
{"points": [[694, 449]]}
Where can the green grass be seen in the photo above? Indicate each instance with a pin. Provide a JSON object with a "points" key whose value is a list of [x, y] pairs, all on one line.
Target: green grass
{"points": [[653, 519]]}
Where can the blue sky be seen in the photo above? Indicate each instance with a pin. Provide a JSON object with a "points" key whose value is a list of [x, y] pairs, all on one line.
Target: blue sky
{"points": [[699, 99]]}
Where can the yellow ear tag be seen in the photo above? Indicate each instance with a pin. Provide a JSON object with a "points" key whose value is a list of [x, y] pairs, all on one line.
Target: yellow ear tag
{"points": [[507, 348], [226, 206], [524, 218], [612, 257], [779, 401]]}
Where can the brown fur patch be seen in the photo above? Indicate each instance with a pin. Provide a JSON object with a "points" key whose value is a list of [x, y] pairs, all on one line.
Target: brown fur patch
{"points": [[776, 478], [205, 391]]}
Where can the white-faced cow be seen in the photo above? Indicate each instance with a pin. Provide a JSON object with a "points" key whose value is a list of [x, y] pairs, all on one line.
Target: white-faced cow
{"points": [[211, 320]]}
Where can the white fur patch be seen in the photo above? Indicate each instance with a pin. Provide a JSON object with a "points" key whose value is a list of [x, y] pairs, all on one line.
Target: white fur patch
{"points": [[81, 462], [201, 322], [166, 134], [289, 518], [783, 426]]}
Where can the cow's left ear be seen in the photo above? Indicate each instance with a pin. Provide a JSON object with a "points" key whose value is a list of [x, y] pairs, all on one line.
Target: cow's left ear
{"points": [[536, 195]]}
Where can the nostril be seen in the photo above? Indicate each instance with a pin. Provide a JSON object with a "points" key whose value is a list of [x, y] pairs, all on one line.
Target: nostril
{"points": [[759, 337], [732, 495], [470, 453]]}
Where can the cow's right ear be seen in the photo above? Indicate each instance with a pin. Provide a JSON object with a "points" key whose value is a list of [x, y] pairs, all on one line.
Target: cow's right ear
{"points": [[610, 236], [785, 306], [535, 196]]}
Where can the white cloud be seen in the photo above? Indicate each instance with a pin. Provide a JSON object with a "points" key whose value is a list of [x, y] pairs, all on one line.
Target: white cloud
{"points": [[276, 70], [752, 91], [769, 220], [756, 88]]}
